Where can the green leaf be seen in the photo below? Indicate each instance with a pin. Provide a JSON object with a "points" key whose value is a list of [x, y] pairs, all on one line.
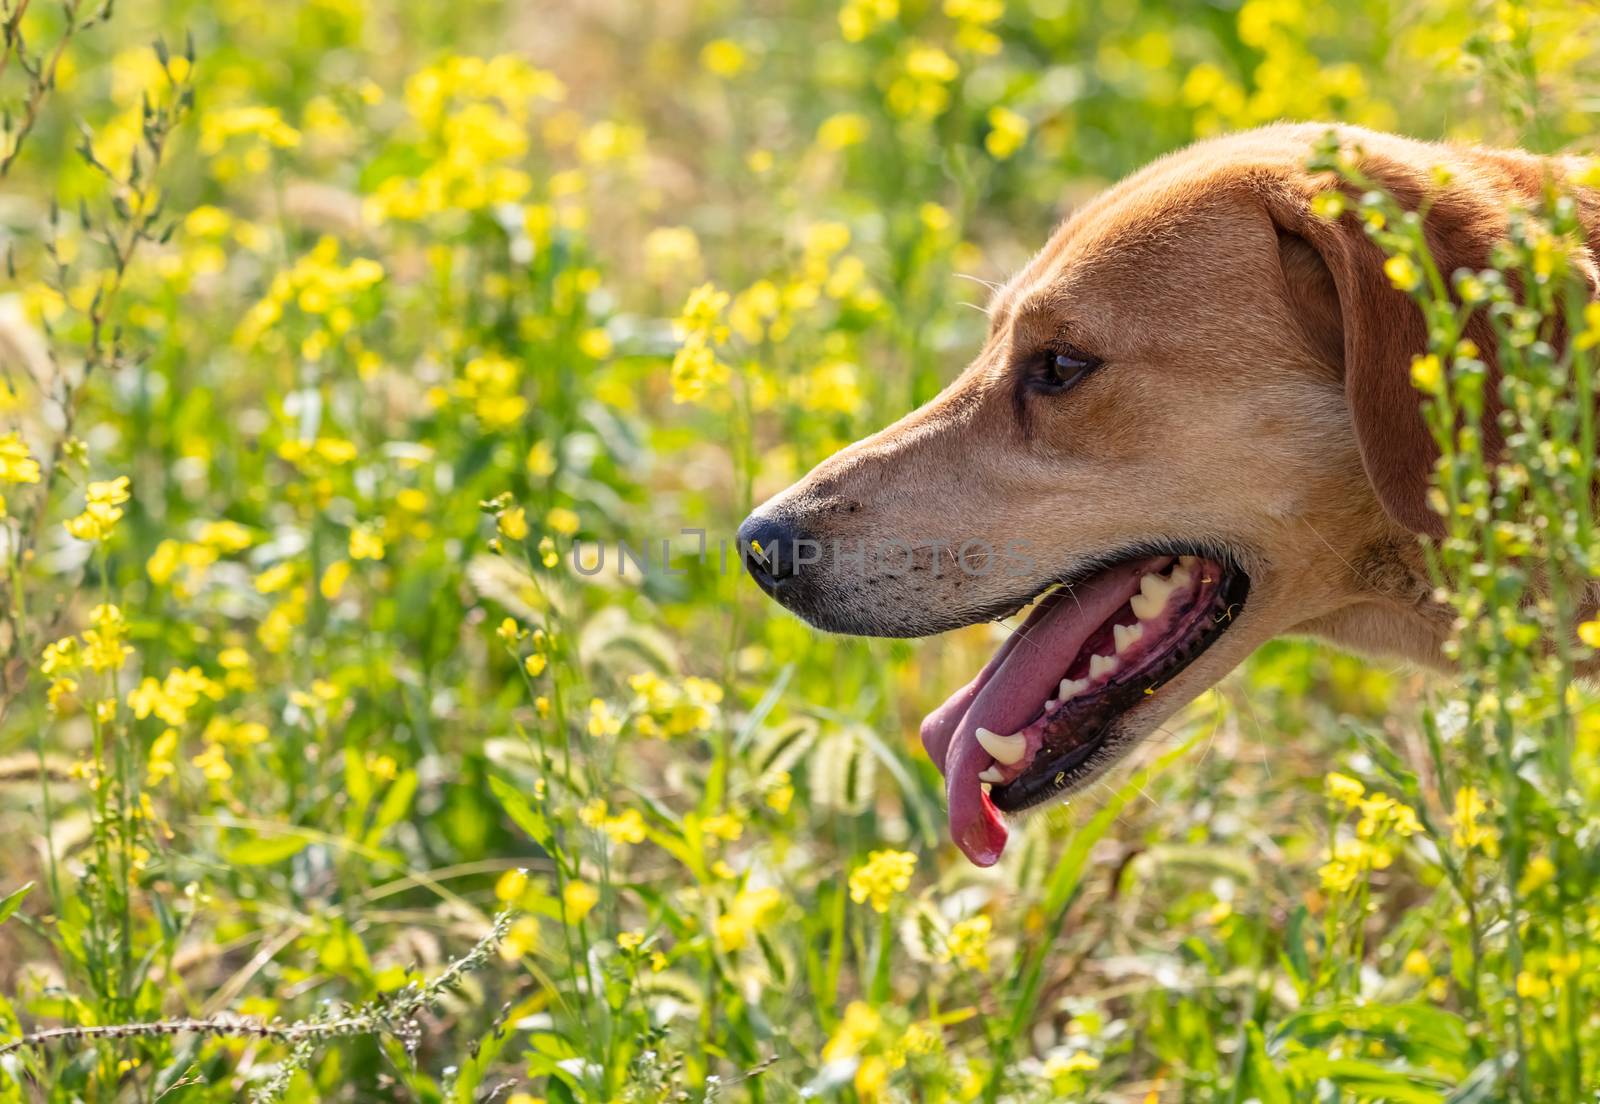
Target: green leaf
{"points": [[12, 900], [265, 850], [522, 814]]}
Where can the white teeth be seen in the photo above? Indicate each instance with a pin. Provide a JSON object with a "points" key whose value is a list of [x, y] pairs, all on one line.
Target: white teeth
{"points": [[991, 774], [1126, 636], [1007, 750], [1100, 665], [1152, 597], [1050, 705], [1071, 688]]}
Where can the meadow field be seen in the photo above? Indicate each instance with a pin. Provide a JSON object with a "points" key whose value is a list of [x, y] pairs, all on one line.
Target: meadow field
{"points": [[330, 328]]}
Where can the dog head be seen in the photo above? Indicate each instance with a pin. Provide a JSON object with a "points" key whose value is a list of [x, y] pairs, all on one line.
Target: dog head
{"points": [[1191, 429]]}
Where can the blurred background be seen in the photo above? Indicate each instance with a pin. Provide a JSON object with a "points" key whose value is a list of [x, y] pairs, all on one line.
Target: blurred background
{"points": [[380, 307]]}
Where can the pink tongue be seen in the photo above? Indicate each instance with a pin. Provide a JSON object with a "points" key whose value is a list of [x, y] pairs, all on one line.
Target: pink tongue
{"points": [[1011, 691]]}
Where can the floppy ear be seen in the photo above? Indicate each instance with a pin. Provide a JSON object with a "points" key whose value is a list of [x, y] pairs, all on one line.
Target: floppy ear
{"points": [[1382, 329]]}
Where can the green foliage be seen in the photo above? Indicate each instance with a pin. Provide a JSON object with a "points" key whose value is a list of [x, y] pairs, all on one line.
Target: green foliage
{"points": [[335, 333]]}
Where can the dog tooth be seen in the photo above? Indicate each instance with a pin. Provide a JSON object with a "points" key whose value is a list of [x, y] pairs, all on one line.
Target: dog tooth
{"points": [[1007, 750], [1049, 706], [1101, 665], [1154, 586], [1126, 636], [1147, 608], [991, 774], [1071, 688]]}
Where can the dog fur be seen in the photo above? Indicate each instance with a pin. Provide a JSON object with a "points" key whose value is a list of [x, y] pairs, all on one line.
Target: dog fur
{"points": [[1254, 397]]}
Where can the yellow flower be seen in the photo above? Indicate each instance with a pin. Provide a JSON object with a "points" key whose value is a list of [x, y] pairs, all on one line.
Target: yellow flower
{"points": [[723, 57], [511, 885], [626, 827], [602, 721], [534, 665], [162, 763], [513, 523], [884, 874], [102, 510], [577, 899], [1007, 132], [1468, 832], [847, 128], [213, 763], [968, 943], [563, 521], [365, 544], [859, 1027], [859, 18], [17, 465], [1589, 633], [547, 552], [1427, 373], [745, 916], [1402, 272], [723, 826], [521, 940], [103, 645], [1343, 788], [1417, 965], [333, 579]]}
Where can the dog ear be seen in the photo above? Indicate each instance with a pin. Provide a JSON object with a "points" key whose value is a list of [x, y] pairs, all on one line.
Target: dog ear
{"points": [[1375, 329]]}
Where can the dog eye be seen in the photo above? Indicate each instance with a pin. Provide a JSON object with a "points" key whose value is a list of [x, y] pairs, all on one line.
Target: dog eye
{"points": [[1062, 369]]}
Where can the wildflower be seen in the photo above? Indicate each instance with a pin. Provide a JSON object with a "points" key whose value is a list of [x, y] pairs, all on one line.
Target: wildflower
{"points": [[103, 646], [968, 943], [562, 520], [746, 915], [577, 899], [859, 1027], [1402, 272], [213, 763], [17, 464], [1349, 861], [723, 826], [1589, 633], [162, 761], [365, 544], [1417, 965], [1468, 832], [843, 130], [102, 510], [859, 18], [884, 874], [534, 664], [626, 827], [547, 552], [629, 941], [275, 578], [1007, 132], [513, 523], [59, 691], [723, 57], [511, 885], [333, 579], [602, 721], [1343, 788], [1427, 373], [780, 793]]}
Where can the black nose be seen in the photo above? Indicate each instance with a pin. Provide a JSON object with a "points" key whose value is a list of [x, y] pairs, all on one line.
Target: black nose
{"points": [[771, 547]]}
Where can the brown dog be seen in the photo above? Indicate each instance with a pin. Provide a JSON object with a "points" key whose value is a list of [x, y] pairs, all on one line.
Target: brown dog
{"points": [[1194, 410]]}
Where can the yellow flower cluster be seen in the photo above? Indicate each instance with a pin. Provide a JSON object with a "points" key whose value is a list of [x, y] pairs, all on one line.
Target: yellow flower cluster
{"points": [[17, 464], [474, 114], [321, 288], [1383, 823], [695, 367], [749, 913], [172, 697], [102, 509], [101, 648], [664, 709], [881, 877]]}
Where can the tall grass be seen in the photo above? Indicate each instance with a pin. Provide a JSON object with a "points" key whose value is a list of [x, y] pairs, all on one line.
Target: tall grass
{"points": [[338, 331]]}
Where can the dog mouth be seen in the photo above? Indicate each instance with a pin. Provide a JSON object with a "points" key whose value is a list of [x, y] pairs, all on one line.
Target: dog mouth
{"points": [[1044, 716]]}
